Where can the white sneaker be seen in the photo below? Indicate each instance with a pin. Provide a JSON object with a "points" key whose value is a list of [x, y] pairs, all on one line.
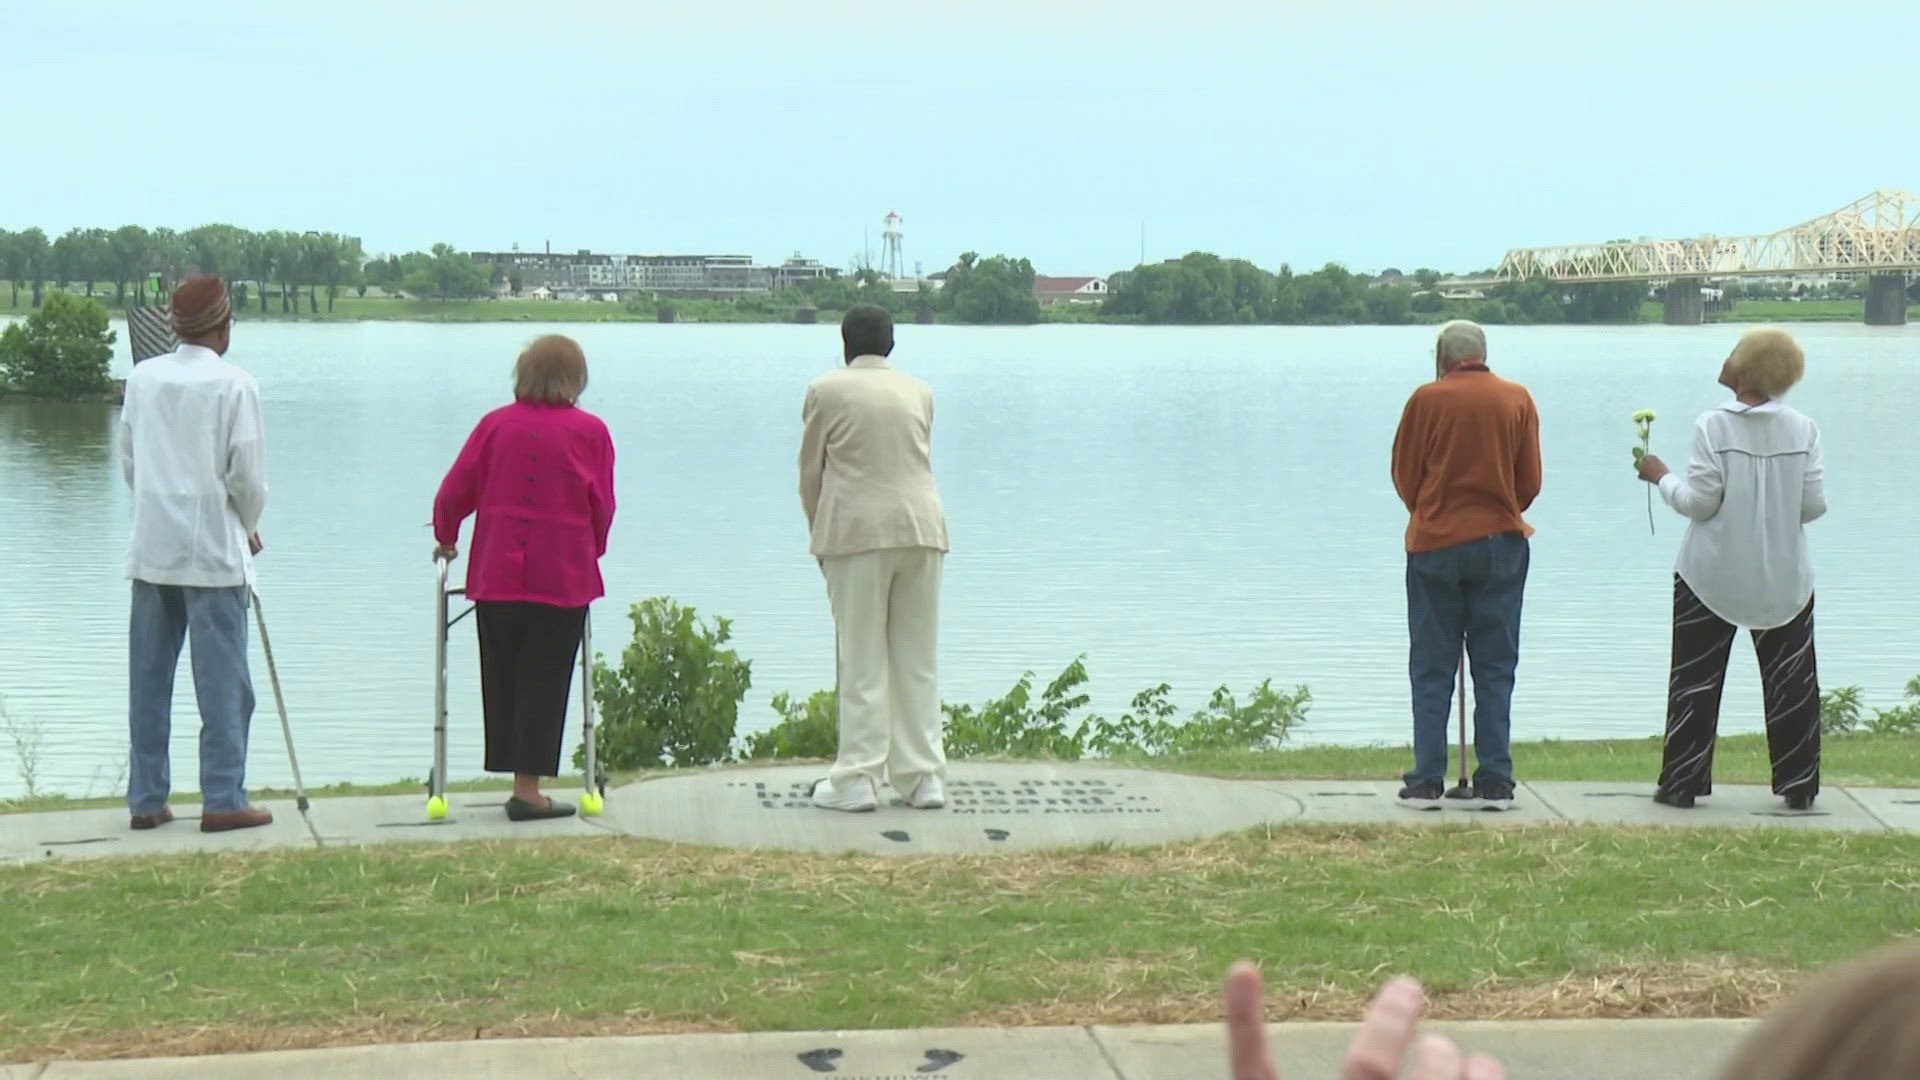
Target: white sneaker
{"points": [[857, 797], [928, 794]]}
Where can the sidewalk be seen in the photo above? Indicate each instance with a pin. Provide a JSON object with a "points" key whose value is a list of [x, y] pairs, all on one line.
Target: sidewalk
{"points": [[1536, 1050], [991, 807]]}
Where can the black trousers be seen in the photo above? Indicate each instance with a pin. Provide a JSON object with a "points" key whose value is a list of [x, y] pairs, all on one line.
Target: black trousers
{"points": [[527, 653], [1790, 685]]}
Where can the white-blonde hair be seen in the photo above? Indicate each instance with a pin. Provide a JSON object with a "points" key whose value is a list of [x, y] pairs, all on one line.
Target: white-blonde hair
{"points": [[1767, 360], [1461, 340]]}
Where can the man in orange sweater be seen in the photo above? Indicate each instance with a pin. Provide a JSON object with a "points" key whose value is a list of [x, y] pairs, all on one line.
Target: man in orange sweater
{"points": [[1466, 461]]}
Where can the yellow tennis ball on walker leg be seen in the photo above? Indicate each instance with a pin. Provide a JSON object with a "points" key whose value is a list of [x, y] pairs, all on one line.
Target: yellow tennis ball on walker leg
{"points": [[436, 808], [591, 804]]}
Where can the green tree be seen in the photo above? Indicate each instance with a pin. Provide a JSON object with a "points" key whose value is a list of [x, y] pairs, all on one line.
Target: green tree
{"points": [[995, 290], [33, 251], [447, 273], [129, 249], [61, 350], [1612, 302], [262, 251], [11, 262]]}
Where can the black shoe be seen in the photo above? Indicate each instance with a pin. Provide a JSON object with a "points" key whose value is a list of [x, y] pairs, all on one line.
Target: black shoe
{"points": [[1800, 800], [1423, 795], [1680, 800], [521, 810], [1493, 794]]}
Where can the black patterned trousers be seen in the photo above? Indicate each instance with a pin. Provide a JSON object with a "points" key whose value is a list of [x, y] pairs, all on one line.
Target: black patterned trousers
{"points": [[1790, 685]]}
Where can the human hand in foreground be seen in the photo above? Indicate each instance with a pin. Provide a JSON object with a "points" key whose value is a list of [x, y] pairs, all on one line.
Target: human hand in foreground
{"points": [[1651, 468], [254, 546], [445, 552], [1376, 1051]]}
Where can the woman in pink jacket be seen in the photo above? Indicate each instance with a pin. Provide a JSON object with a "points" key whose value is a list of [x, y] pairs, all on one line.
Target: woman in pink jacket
{"points": [[538, 475]]}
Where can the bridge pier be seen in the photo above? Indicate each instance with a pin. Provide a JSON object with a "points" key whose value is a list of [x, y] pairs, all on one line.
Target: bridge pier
{"points": [[1684, 306], [1887, 300]]}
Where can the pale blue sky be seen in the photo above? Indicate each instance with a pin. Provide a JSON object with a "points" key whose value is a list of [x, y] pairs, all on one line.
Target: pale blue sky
{"points": [[1374, 133]]}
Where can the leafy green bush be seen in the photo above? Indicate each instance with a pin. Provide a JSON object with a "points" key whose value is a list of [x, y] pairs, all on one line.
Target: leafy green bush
{"points": [[1840, 710], [675, 696], [807, 729], [62, 350], [1263, 723], [1901, 719], [1026, 724]]}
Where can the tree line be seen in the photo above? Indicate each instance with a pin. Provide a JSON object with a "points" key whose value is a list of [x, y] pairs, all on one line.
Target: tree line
{"points": [[1204, 289], [253, 263]]}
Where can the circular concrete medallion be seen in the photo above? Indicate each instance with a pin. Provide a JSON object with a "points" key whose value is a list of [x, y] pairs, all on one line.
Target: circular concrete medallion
{"points": [[990, 807]]}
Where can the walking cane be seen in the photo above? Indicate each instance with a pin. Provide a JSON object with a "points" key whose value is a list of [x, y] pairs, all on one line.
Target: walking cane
{"points": [[280, 702], [1465, 788]]}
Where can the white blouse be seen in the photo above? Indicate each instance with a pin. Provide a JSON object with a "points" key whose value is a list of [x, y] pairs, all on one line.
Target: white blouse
{"points": [[1754, 481], [193, 453]]}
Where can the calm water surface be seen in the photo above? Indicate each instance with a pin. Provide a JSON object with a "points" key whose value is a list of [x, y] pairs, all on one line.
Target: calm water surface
{"points": [[1195, 506]]}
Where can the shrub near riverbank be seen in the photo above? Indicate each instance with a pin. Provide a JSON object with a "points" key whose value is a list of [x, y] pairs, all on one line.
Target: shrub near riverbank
{"points": [[673, 697]]}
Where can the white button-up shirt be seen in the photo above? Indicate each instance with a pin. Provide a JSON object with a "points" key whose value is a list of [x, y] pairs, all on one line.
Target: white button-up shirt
{"points": [[192, 449], [1754, 480]]}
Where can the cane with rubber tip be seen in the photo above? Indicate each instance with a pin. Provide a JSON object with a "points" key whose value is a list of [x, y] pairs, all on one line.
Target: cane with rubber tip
{"points": [[286, 728]]}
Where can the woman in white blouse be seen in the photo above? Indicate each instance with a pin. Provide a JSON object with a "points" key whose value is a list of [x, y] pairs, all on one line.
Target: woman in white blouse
{"points": [[1754, 480]]}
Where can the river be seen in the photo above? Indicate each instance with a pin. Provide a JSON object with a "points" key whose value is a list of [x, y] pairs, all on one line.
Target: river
{"points": [[1194, 506]]}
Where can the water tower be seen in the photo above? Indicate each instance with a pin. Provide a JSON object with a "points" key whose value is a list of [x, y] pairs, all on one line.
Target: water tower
{"points": [[892, 262]]}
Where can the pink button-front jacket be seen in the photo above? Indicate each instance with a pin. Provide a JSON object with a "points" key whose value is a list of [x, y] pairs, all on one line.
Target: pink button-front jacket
{"points": [[540, 479]]}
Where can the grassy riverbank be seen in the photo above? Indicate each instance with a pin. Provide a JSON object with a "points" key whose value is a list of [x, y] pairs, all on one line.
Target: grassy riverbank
{"points": [[263, 950], [1858, 759]]}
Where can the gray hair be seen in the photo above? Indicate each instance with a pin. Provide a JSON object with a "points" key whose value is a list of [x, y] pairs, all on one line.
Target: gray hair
{"points": [[1461, 340]]}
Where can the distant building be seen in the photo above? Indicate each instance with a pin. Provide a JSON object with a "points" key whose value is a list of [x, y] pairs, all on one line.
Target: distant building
{"points": [[690, 275], [1069, 290], [799, 270]]}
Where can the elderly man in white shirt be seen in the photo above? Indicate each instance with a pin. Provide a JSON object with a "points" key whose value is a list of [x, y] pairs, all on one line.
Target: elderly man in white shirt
{"points": [[1754, 481], [192, 450]]}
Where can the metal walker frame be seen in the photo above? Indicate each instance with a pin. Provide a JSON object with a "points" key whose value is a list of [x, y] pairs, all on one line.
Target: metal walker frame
{"points": [[594, 779]]}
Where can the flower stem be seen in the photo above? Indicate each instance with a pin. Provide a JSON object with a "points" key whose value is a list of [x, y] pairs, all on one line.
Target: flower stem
{"points": [[1646, 444]]}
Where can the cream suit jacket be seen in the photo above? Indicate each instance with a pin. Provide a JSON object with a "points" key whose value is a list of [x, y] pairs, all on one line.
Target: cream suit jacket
{"points": [[866, 471]]}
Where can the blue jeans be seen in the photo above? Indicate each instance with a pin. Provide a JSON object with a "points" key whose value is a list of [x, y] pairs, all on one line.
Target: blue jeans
{"points": [[1467, 593], [163, 617]]}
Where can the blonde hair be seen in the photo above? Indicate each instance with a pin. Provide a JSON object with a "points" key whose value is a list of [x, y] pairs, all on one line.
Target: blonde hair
{"points": [[1461, 340], [1854, 1023], [553, 371], [1767, 360]]}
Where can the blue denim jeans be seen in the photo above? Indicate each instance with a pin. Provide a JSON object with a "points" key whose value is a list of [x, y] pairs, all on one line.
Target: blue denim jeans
{"points": [[1467, 593], [163, 617]]}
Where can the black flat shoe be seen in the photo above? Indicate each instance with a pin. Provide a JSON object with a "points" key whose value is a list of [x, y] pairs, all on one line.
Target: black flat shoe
{"points": [[521, 810], [1799, 800], [1679, 800]]}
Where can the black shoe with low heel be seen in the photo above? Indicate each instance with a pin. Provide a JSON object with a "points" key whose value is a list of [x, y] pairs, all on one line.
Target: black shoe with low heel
{"points": [[521, 810], [1800, 800], [1679, 800]]}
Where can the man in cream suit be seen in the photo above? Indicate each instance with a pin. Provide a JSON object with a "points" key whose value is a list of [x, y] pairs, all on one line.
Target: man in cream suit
{"points": [[866, 483]]}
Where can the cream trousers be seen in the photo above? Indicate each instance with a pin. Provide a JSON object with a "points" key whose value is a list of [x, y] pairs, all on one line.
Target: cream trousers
{"points": [[886, 616]]}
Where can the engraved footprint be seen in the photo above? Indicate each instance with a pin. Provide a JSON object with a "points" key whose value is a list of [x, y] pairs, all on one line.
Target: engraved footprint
{"points": [[821, 1060]]}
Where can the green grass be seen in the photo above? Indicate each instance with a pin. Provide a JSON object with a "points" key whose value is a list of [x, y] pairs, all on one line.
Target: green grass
{"points": [[1861, 760], [196, 954], [1794, 311]]}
